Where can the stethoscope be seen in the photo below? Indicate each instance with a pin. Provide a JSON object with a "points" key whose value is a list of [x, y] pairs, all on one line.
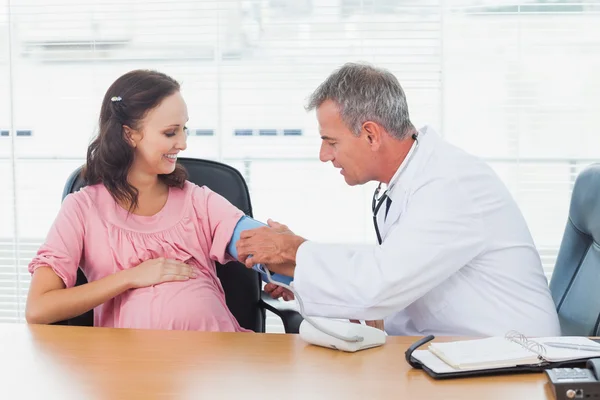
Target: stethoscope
{"points": [[377, 203]]}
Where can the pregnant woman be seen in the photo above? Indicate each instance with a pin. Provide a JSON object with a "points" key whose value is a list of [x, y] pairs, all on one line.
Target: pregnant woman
{"points": [[146, 238]]}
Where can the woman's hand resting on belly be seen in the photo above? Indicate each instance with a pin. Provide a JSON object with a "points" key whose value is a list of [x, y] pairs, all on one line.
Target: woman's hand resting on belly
{"points": [[191, 304], [158, 270], [50, 301]]}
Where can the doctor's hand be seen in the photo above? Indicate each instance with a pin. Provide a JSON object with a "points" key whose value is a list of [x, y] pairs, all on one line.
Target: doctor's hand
{"points": [[281, 228], [275, 246], [276, 291]]}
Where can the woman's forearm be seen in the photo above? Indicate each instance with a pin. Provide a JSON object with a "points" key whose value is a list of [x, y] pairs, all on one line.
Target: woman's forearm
{"points": [[55, 305]]}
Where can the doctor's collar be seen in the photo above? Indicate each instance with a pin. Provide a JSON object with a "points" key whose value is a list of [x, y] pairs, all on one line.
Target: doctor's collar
{"points": [[409, 156]]}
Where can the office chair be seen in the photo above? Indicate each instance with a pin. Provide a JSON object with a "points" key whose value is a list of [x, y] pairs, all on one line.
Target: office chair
{"points": [[242, 286], [576, 278]]}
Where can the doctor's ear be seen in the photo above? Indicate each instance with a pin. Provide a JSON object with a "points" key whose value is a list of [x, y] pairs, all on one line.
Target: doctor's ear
{"points": [[372, 133]]}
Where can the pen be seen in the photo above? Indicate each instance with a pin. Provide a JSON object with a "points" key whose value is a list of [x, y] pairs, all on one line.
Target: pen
{"points": [[583, 347]]}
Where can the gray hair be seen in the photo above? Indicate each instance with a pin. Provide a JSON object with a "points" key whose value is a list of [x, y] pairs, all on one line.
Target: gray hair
{"points": [[365, 93]]}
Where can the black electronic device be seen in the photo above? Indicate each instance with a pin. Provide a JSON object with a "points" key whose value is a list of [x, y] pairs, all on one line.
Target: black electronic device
{"points": [[576, 383]]}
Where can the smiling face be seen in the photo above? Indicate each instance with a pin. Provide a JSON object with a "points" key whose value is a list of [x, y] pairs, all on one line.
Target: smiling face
{"points": [[352, 154], [160, 136]]}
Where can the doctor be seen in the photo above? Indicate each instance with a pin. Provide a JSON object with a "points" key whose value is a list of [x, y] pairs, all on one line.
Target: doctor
{"points": [[454, 254]]}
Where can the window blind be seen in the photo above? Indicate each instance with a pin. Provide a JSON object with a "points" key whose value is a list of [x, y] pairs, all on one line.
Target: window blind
{"points": [[520, 90]]}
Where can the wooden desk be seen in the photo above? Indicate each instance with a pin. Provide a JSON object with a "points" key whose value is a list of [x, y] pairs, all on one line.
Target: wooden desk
{"points": [[58, 362]]}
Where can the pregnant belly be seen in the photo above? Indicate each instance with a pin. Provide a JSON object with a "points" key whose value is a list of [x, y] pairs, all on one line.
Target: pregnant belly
{"points": [[188, 305]]}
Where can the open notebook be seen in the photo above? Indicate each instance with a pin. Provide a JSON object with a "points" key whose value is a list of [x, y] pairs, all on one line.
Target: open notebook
{"points": [[511, 351]]}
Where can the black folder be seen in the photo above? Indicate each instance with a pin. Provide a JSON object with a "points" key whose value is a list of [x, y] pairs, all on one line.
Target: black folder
{"points": [[519, 369]]}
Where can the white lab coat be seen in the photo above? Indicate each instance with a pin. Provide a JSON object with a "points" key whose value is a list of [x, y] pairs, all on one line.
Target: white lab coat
{"points": [[457, 257]]}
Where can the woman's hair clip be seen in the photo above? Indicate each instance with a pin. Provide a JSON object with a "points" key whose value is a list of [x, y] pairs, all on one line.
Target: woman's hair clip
{"points": [[115, 99]]}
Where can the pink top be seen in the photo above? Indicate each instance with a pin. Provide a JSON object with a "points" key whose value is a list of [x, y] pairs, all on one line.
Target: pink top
{"points": [[195, 225]]}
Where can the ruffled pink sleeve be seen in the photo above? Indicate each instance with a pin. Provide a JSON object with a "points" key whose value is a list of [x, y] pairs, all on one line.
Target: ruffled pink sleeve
{"points": [[219, 217], [63, 247]]}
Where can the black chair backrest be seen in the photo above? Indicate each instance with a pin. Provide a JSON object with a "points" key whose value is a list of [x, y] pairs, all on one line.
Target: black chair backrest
{"points": [[242, 286]]}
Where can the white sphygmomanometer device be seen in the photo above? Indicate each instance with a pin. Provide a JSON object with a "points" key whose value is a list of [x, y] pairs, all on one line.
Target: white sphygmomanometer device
{"points": [[325, 332]]}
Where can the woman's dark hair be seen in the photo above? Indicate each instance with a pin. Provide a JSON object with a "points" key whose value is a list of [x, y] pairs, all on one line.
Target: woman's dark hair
{"points": [[110, 155]]}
